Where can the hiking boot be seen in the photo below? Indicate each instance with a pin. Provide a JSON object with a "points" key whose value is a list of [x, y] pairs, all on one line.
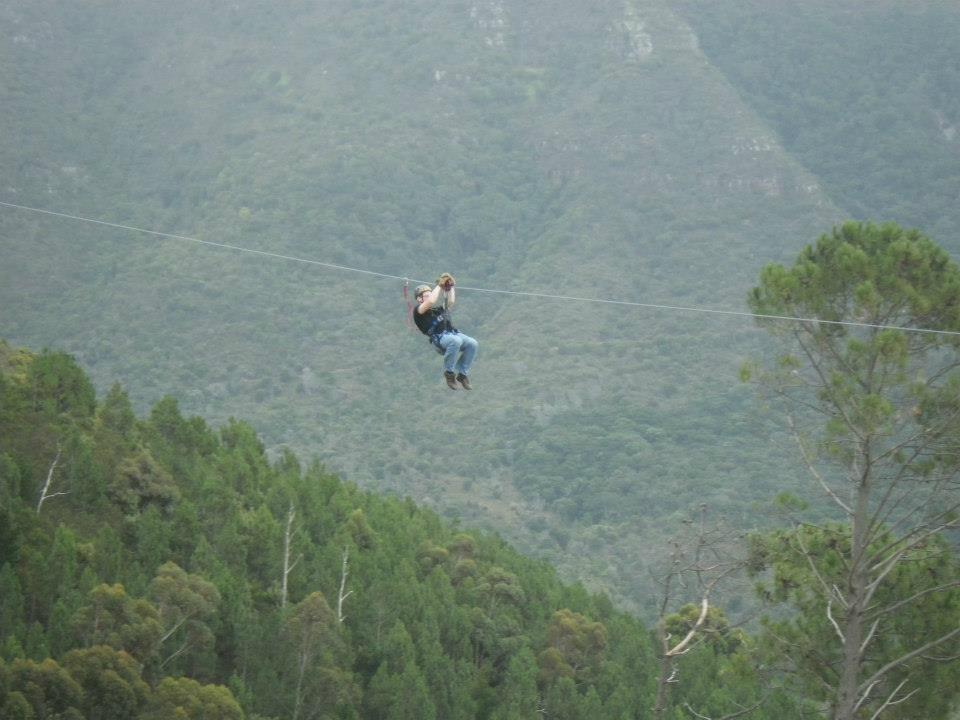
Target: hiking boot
{"points": [[451, 380], [465, 381]]}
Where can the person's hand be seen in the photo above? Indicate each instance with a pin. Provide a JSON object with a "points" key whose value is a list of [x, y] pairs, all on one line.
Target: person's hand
{"points": [[446, 281]]}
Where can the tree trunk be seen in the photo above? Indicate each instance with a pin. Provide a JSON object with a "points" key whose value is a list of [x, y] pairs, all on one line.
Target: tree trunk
{"points": [[663, 687], [46, 486], [287, 567], [342, 595], [848, 688]]}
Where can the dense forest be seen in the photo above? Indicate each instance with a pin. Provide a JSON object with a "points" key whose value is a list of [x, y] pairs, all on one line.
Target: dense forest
{"points": [[883, 99], [412, 138], [657, 152], [157, 568]]}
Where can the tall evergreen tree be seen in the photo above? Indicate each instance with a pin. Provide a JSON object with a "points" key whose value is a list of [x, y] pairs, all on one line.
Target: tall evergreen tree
{"points": [[11, 603], [318, 682], [398, 690], [518, 694], [871, 382]]}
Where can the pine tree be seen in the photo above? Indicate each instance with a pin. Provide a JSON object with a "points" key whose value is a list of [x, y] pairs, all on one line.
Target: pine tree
{"points": [[518, 696], [12, 606], [398, 690], [873, 406]]}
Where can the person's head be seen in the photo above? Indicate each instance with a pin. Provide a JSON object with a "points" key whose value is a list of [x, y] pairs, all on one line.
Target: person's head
{"points": [[420, 292]]}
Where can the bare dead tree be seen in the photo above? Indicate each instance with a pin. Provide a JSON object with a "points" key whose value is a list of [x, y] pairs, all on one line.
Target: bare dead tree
{"points": [[698, 562], [287, 565], [342, 595], [45, 493]]}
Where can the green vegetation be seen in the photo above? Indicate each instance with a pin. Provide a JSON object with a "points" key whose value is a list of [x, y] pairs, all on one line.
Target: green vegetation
{"points": [[643, 151], [161, 558], [865, 94], [875, 410], [155, 568]]}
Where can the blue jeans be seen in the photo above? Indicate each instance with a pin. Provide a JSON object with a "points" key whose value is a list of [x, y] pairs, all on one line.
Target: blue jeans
{"points": [[456, 343]]}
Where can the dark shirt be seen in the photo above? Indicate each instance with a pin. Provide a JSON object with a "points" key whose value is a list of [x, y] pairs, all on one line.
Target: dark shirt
{"points": [[426, 320]]}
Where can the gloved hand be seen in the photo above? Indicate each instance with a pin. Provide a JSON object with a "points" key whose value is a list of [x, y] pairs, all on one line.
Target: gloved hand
{"points": [[446, 281]]}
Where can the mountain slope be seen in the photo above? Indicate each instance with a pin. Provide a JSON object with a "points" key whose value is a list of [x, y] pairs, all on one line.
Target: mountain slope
{"points": [[539, 147], [864, 94]]}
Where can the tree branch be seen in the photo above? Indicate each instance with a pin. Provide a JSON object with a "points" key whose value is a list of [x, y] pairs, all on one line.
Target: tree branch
{"points": [[890, 563], [731, 716], [287, 567], [813, 470], [916, 596], [825, 385], [908, 656], [681, 646], [341, 596], [890, 702], [915, 537], [816, 572], [178, 651], [869, 637], [834, 622], [879, 516], [176, 626]]}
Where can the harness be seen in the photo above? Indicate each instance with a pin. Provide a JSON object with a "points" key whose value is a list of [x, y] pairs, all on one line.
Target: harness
{"points": [[440, 318], [434, 335]]}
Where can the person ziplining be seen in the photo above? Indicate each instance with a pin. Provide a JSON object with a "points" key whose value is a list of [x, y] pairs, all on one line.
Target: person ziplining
{"points": [[432, 318], [456, 341]]}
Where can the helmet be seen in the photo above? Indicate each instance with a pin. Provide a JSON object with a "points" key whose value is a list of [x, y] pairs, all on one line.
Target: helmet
{"points": [[421, 288]]}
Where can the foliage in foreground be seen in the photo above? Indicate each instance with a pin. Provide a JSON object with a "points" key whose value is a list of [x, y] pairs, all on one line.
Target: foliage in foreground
{"points": [[155, 568]]}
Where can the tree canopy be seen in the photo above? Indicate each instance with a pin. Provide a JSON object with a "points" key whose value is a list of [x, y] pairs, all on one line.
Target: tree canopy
{"points": [[166, 599]]}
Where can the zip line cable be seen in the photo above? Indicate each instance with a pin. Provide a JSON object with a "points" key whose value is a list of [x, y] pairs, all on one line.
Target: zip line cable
{"points": [[516, 293], [198, 240]]}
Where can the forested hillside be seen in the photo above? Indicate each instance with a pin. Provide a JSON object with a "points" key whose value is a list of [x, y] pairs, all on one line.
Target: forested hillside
{"points": [[873, 112], [605, 150], [155, 567]]}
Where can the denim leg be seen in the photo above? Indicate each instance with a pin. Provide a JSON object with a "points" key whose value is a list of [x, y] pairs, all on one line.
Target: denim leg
{"points": [[468, 351], [450, 342]]}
